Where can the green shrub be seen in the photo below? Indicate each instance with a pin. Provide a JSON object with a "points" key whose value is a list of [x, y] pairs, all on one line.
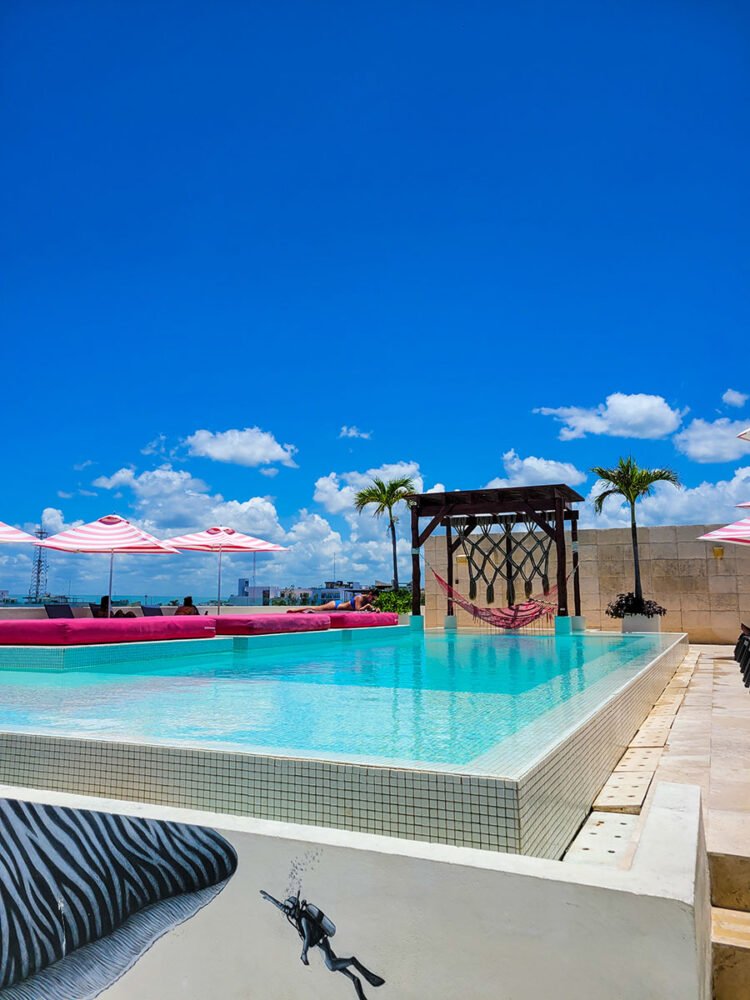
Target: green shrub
{"points": [[395, 600]]}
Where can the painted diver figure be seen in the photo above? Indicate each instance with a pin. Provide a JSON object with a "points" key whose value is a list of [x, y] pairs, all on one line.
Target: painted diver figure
{"points": [[315, 929]]}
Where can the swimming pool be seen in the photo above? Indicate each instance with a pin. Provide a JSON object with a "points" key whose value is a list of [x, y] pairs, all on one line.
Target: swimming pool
{"points": [[346, 730], [403, 701]]}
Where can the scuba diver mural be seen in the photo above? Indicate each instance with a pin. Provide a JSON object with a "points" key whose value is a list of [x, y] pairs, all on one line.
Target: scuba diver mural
{"points": [[315, 929]]}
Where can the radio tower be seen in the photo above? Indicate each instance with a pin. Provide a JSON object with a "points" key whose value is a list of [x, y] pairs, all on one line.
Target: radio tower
{"points": [[38, 586]]}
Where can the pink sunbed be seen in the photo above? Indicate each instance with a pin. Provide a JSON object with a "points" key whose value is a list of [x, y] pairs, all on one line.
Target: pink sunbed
{"points": [[270, 624], [361, 619], [92, 631]]}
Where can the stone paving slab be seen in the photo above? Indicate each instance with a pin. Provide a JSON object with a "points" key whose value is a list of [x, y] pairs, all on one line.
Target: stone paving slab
{"points": [[624, 792], [604, 839], [639, 759], [653, 734]]}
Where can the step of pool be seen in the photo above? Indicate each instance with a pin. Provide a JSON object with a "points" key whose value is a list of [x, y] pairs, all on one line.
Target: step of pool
{"points": [[730, 939], [730, 880]]}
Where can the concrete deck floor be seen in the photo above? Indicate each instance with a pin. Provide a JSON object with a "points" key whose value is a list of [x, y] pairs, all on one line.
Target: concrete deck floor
{"points": [[697, 733], [709, 746]]}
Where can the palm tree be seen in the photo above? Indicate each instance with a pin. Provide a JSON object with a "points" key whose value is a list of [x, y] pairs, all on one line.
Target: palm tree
{"points": [[629, 481], [385, 496]]}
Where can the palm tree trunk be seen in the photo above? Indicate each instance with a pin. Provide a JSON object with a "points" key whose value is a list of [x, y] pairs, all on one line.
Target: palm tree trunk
{"points": [[636, 557], [392, 526]]}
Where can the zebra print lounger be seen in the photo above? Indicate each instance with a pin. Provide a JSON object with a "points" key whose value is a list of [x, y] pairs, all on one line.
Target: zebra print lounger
{"points": [[84, 894]]}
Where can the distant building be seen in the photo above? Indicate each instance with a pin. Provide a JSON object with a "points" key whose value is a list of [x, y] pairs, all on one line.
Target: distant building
{"points": [[253, 596], [4, 594], [331, 590], [335, 590]]}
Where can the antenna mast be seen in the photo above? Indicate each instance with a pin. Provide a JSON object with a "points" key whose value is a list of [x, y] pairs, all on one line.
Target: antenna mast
{"points": [[38, 586]]}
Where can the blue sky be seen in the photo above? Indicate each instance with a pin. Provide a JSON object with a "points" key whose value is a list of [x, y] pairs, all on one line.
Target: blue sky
{"points": [[480, 234]]}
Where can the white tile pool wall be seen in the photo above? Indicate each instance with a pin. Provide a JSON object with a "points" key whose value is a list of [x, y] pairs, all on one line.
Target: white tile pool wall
{"points": [[535, 813], [556, 792]]}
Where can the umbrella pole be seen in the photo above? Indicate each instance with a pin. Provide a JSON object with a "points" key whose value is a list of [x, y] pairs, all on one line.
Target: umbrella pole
{"points": [[109, 598], [218, 596]]}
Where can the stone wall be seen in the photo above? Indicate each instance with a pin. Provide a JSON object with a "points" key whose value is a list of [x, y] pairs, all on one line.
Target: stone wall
{"points": [[706, 594]]}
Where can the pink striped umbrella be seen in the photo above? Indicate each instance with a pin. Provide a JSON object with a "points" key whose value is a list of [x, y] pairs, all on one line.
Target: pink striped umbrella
{"points": [[735, 534], [13, 536], [109, 534], [222, 539]]}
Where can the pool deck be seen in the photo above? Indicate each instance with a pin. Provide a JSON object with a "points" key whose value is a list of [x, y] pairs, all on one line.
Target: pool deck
{"points": [[709, 746], [697, 734]]}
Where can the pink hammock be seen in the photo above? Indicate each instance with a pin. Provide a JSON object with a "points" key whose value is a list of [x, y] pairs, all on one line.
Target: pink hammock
{"points": [[518, 616]]}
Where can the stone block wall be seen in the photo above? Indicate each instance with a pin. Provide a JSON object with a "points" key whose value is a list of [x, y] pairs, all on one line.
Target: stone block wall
{"points": [[706, 594]]}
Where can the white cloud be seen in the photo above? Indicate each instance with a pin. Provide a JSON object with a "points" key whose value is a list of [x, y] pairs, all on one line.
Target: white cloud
{"points": [[169, 501], [733, 398], [64, 496], [158, 446], [636, 415], [437, 488], [270, 471], [354, 432], [367, 552], [123, 477], [534, 471], [313, 544], [708, 503], [15, 568], [337, 490], [53, 521], [251, 447], [172, 501], [713, 441], [83, 465]]}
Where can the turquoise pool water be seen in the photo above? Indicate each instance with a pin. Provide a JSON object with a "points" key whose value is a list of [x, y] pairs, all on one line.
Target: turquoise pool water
{"points": [[410, 699]]}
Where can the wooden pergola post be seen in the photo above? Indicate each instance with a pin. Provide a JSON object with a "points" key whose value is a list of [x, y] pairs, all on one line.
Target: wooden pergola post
{"points": [[416, 572], [562, 569], [576, 574], [449, 552], [510, 590]]}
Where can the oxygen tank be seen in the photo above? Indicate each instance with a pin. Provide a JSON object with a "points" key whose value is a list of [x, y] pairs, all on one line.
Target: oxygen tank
{"points": [[325, 923]]}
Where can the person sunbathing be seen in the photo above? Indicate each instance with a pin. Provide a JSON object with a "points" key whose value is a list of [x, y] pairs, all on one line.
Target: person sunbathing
{"points": [[361, 602]]}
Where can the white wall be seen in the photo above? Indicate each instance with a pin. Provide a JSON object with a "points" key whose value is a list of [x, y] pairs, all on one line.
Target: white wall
{"points": [[438, 922]]}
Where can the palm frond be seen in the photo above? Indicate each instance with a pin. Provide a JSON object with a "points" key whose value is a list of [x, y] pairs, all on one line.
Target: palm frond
{"points": [[383, 495], [605, 495], [629, 481]]}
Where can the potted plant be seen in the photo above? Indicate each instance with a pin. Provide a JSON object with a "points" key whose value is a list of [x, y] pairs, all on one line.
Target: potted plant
{"points": [[628, 481], [636, 616]]}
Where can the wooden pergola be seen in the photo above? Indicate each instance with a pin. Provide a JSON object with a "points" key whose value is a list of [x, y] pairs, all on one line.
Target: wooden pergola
{"points": [[547, 507]]}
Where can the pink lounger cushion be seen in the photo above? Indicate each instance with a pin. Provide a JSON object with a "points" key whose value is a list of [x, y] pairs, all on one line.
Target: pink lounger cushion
{"points": [[362, 619], [92, 631], [270, 624]]}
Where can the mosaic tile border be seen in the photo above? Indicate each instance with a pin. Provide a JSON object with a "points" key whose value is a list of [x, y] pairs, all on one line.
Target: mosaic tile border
{"points": [[536, 815], [444, 808]]}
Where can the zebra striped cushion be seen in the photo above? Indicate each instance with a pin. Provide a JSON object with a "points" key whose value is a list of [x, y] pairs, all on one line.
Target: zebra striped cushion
{"points": [[72, 877]]}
